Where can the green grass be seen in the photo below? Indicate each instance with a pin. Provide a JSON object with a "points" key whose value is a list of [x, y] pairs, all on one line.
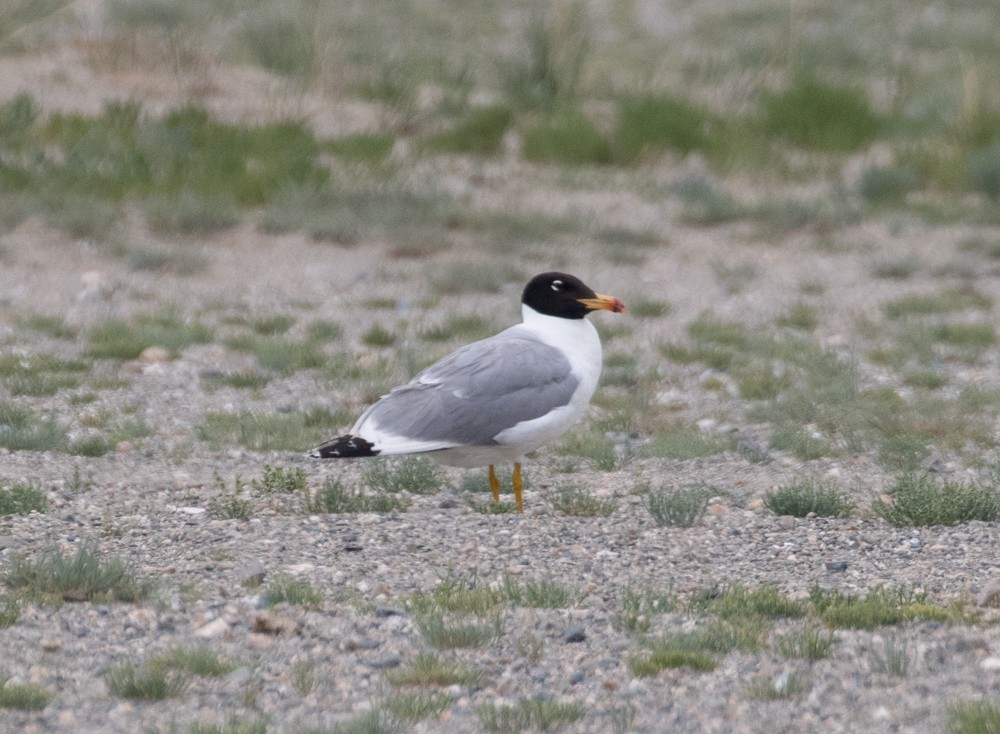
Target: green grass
{"points": [[446, 632], [459, 594], [598, 451], [411, 706], [479, 133], [22, 499], [894, 658], [283, 589], [279, 353], [785, 685], [651, 125], [799, 316], [882, 185], [116, 339], [974, 717], [40, 374], [807, 496], [919, 499], [197, 661], [647, 308], [243, 380], [266, 432], [431, 670], [53, 326], [280, 480], [465, 327], [84, 576], [947, 300], [736, 603], [334, 497], [881, 607], [190, 172], [545, 594], [371, 148], [231, 505], [984, 171], [820, 116], [145, 682], [409, 474], [679, 508], [22, 430], [567, 138], [809, 643], [548, 69], [638, 608], [684, 442], [531, 714], [678, 650], [378, 336], [579, 502], [23, 696], [10, 611]]}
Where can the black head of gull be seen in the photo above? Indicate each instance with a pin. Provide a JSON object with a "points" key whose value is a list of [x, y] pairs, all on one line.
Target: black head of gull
{"points": [[566, 296]]}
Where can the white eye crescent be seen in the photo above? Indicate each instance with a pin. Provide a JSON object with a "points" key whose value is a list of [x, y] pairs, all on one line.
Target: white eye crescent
{"points": [[557, 285]]}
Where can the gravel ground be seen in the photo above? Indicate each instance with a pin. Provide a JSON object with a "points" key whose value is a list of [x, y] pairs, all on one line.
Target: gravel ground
{"points": [[151, 502]]}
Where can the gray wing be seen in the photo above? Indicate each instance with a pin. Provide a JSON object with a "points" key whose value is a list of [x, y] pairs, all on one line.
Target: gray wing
{"points": [[474, 393]]}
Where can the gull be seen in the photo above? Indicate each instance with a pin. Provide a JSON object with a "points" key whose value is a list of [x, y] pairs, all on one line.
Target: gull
{"points": [[494, 400]]}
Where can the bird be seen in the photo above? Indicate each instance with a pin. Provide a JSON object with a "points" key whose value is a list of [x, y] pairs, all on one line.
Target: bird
{"points": [[494, 400]]}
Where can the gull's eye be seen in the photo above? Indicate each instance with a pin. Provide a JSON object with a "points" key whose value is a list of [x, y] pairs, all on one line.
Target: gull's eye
{"points": [[557, 285]]}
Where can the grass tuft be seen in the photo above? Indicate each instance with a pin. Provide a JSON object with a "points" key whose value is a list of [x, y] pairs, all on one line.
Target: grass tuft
{"points": [[822, 116], [283, 589], [146, 682], [810, 643], [115, 339], [974, 717], [410, 474], [335, 498], [681, 508], [534, 714], [430, 670], [881, 607], [22, 499], [23, 696], [806, 496], [84, 576], [568, 138], [918, 499], [480, 133], [578, 502]]}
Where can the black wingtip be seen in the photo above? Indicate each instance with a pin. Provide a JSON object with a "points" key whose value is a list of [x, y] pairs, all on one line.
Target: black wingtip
{"points": [[344, 447]]}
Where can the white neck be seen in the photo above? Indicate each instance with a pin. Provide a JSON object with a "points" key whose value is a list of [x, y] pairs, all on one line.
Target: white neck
{"points": [[577, 337]]}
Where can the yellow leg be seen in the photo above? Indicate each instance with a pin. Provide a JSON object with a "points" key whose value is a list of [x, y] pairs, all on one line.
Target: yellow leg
{"points": [[518, 487], [494, 484]]}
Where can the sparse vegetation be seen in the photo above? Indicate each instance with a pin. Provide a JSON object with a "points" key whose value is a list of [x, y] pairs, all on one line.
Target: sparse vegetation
{"points": [[22, 499], [431, 670], [23, 696], [919, 499], [538, 714], [679, 508], [145, 682], [578, 502], [283, 589], [83, 576], [409, 474], [334, 497], [974, 717]]}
